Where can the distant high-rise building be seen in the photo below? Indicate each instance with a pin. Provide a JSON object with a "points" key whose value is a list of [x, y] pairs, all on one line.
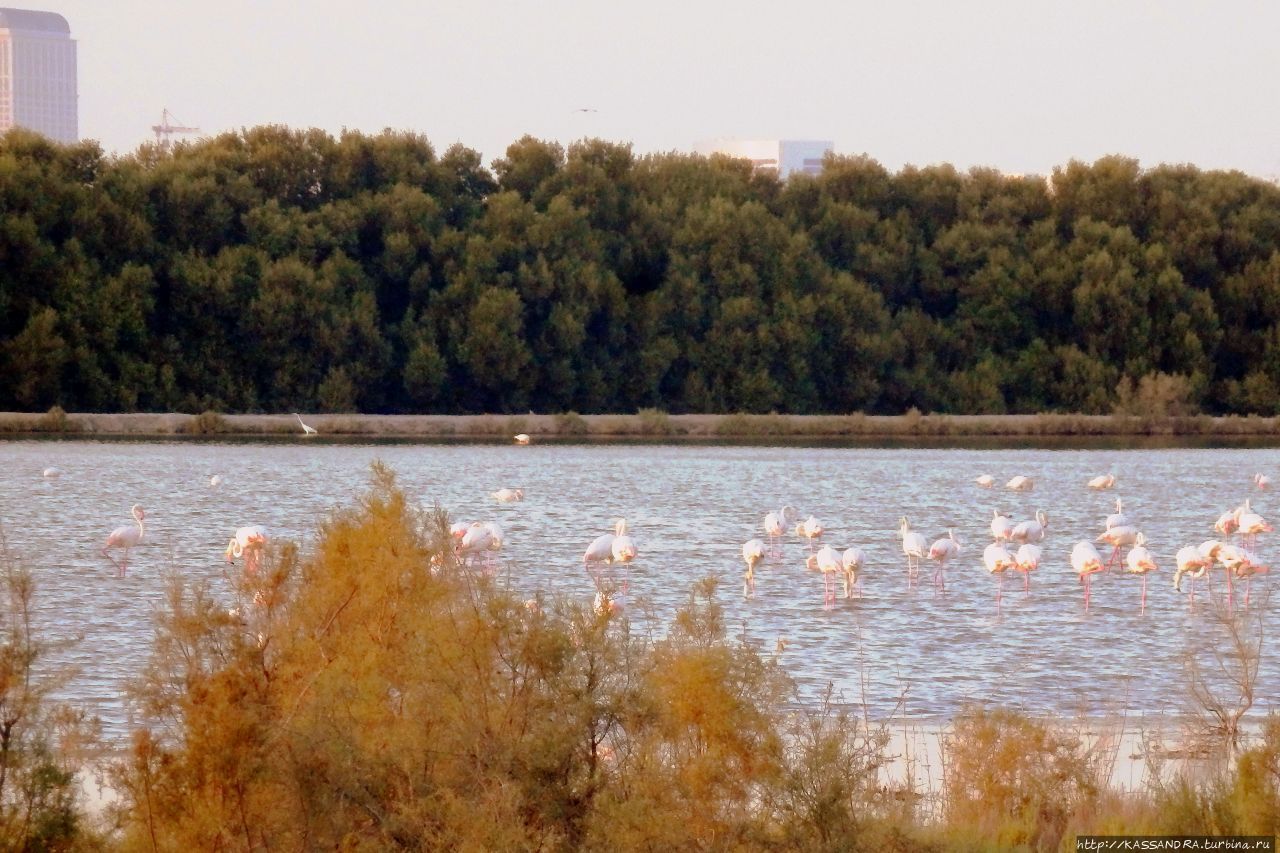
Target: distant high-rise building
{"points": [[38, 74], [783, 156]]}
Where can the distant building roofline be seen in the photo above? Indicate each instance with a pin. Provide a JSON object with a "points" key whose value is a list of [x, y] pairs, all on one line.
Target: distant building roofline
{"points": [[33, 21]]}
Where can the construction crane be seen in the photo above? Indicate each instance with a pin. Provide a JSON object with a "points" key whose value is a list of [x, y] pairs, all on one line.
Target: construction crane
{"points": [[166, 128]]}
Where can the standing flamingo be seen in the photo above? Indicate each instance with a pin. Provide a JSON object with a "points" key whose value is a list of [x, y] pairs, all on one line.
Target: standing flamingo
{"points": [[250, 542], [600, 550], [1141, 562], [942, 550], [1240, 563], [125, 537], [998, 560], [1117, 538], [1027, 560], [851, 562], [1001, 526], [624, 550], [752, 553], [1117, 518], [1086, 560], [914, 546], [810, 529], [1250, 524], [826, 561], [1031, 531], [1228, 522]]}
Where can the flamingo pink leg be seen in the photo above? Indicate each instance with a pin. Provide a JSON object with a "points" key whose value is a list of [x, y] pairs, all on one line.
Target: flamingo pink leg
{"points": [[1085, 579], [1144, 594]]}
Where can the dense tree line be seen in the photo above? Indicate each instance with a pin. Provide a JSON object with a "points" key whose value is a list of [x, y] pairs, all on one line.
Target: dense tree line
{"points": [[275, 269]]}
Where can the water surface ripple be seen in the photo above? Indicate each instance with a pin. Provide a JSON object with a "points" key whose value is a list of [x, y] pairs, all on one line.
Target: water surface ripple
{"points": [[690, 508]]}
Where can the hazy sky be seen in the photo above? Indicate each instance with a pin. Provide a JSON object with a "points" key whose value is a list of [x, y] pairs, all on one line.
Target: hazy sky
{"points": [[1020, 85]]}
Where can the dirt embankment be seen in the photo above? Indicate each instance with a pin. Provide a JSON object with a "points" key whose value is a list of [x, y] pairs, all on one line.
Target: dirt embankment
{"points": [[644, 424]]}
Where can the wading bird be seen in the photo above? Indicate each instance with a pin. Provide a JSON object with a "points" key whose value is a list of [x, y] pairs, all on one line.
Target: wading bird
{"points": [[1262, 481], [1001, 526], [521, 438], [851, 561], [1141, 562], [125, 537], [914, 546], [306, 430], [1086, 561], [1021, 484], [52, 473], [943, 550], [1031, 531], [1191, 564], [998, 560], [1104, 481], [1117, 538], [506, 496], [249, 542], [624, 550], [826, 561], [1117, 518], [985, 481], [752, 553], [1027, 560]]}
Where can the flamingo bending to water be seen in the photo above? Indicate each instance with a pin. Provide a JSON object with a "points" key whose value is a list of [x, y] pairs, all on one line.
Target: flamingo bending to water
{"points": [[851, 562], [752, 553], [1192, 564], [986, 481], [1086, 561], [998, 560], [826, 561], [249, 541], [125, 537], [942, 550], [506, 496], [1021, 484], [1026, 561]]}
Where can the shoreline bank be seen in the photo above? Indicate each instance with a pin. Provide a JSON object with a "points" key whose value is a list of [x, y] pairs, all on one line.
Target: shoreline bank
{"points": [[644, 424]]}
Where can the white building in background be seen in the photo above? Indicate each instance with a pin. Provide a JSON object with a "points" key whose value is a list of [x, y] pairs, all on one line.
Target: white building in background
{"points": [[783, 156], [38, 74]]}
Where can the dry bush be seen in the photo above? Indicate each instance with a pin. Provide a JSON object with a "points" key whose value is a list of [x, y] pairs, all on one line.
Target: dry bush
{"points": [[655, 422], [571, 423], [206, 423], [1014, 780]]}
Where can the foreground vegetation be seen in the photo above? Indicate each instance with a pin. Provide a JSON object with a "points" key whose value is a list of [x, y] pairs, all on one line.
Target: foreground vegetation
{"points": [[280, 270], [376, 695]]}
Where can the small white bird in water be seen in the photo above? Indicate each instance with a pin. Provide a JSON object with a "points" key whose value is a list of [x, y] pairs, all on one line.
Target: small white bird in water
{"points": [[521, 438], [52, 473], [506, 496], [986, 481], [1021, 484], [1262, 481], [215, 481], [1105, 481]]}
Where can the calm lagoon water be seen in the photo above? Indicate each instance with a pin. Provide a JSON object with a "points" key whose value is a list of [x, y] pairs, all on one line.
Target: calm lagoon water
{"points": [[690, 508]]}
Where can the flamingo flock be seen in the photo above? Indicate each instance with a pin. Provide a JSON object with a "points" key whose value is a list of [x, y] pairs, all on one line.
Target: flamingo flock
{"points": [[1016, 545]]}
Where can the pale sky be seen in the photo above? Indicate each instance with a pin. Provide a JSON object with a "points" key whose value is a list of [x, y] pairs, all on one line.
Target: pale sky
{"points": [[1018, 85]]}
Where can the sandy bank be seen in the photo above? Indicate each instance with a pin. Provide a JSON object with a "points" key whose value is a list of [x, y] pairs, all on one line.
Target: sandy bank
{"points": [[645, 424]]}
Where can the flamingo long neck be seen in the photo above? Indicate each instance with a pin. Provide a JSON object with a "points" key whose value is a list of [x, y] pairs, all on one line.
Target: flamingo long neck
{"points": [[141, 530]]}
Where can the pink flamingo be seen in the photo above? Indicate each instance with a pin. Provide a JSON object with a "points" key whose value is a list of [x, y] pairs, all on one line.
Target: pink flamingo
{"points": [[1192, 564], [1001, 526], [1031, 531], [826, 561], [1086, 560], [1250, 524], [942, 550], [851, 562], [125, 537], [1141, 562], [249, 541], [1027, 560], [752, 553], [998, 560], [1118, 537], [914, 546]]}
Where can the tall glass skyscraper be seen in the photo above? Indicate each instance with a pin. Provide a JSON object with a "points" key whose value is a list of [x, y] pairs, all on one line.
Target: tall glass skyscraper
{"points": [[38, 74]]}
